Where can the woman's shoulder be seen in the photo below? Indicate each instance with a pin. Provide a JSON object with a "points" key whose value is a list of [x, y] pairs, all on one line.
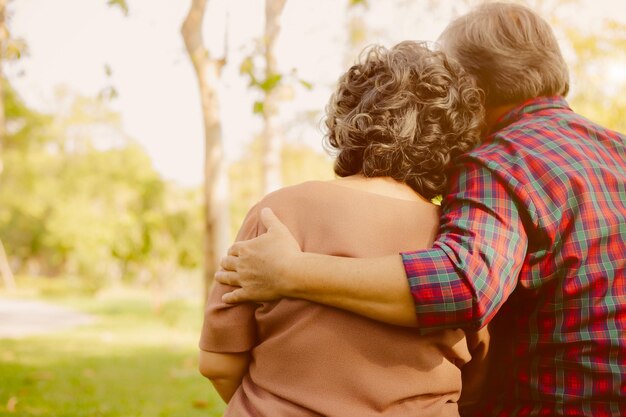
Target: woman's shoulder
{"points": [[328, 195], [292, 204], [293, 194], [290, 198]]}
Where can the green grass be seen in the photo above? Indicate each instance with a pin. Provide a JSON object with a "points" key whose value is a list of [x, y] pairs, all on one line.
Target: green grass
{"points": [[130, 362]]}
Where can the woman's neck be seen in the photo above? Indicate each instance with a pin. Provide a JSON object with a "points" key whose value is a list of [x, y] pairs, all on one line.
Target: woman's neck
{"points": [[386, 186]]}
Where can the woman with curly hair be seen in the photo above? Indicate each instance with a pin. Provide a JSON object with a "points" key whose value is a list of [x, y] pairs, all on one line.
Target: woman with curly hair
{"points": [[396, 123]]}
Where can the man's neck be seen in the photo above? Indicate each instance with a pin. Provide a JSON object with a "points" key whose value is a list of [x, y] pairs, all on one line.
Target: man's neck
{"points": [[494, 113]]}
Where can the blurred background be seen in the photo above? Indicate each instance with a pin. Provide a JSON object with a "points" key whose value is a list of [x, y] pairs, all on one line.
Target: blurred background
{"points": [[134, 137]]}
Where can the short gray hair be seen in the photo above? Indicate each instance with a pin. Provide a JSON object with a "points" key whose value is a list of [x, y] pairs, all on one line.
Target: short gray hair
{"points": [[510, 50]]}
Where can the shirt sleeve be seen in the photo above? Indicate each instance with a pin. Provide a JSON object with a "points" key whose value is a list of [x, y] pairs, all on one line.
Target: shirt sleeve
{"points": [[230, 328], [475, 261]]}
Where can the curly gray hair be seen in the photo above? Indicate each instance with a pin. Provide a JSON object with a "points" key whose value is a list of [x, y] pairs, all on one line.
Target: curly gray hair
{"points": [[405, 113]]}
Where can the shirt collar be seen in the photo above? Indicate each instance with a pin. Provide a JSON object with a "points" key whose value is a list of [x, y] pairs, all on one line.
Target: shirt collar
{"points": [[527, 107]]}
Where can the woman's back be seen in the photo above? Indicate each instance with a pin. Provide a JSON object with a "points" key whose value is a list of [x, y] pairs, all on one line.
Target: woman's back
{"points": [[311, 360]]}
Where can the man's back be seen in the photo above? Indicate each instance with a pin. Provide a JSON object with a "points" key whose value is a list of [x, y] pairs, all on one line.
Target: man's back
{"points": [[563, 328]]}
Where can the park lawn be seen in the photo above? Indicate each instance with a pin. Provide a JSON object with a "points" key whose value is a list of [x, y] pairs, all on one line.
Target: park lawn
{"points": [[129, 362]]}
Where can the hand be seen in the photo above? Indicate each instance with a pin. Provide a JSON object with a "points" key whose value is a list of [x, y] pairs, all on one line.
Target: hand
{"points": [[260, 266]]}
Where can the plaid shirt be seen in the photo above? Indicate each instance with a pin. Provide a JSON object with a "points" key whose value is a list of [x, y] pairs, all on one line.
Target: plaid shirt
{"points": [[536, 217]]}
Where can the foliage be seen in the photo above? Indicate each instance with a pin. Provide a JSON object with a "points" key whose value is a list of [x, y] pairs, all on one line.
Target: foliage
{"points": [[121, 4], [12, 48], [353, 3], [128, 362], [599, 95], [263, 83], [78, 197]]}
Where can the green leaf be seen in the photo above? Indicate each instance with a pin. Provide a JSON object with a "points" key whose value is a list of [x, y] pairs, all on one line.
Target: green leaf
{"points": [[15, 49], [306, 84], [121, 4], [258, 107], [247, 66], [271, 82], [353, 3]]}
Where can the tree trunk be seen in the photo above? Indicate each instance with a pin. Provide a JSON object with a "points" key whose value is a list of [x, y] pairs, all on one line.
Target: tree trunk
{"points": [[5, 268], [358, 33], [271, 137], [208, 72]]}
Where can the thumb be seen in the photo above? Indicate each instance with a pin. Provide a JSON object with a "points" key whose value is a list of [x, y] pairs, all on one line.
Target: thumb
{"points": [[270, 220]]}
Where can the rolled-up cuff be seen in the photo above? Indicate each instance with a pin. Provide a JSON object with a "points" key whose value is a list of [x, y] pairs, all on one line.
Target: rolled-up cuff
{"points": [[441, 296]]}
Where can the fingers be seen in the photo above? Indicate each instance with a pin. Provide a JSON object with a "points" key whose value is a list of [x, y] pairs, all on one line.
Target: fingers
{"points": [[227, 278], [229, 263], [269, 219], [234, 249], [235, 296]]}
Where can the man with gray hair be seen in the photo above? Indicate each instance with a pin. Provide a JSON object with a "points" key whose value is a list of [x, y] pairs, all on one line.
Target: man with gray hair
{"points": [[533, 228]]}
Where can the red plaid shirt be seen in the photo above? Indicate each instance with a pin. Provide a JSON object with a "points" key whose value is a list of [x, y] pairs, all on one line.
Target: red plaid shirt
{"points": [[536, 218]]}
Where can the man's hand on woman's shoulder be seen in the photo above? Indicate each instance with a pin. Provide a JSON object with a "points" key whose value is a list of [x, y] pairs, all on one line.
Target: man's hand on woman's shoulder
{"points": [[261, 266]]}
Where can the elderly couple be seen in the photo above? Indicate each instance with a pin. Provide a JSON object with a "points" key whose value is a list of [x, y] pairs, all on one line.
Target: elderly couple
{"points": [[365, 299]]}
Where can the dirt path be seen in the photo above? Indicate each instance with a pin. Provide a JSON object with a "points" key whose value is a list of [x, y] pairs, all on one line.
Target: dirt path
{"points": [[19, 318]]}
